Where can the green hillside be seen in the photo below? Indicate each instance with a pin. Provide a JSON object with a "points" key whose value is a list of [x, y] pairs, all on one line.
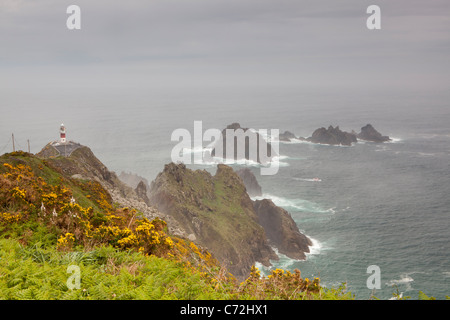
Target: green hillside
{"points": [[49, 221]]}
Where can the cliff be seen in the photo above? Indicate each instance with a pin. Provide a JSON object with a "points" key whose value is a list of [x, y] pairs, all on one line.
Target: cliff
{"points": [[281, 229], [51, 219], [250, 182], [218, 213], [214, 211]]}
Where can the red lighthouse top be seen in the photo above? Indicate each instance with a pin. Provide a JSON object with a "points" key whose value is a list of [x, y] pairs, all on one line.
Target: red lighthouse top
{"points": [[62, 133]]}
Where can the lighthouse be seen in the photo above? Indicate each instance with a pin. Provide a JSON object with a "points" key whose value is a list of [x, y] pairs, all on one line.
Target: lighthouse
{"points": [[62, 133]]}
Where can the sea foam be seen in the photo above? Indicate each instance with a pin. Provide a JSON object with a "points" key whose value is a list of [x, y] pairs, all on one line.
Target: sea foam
{"points": [[296, 204]]}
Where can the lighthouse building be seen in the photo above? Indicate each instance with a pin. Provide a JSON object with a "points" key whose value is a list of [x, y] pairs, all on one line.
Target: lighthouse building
{"points": [[63, 147], [62, 133]]}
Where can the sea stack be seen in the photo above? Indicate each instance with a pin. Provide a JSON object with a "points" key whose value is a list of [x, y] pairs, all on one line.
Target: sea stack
{"points": [[332, 136], [368, 133], [248, 144]]}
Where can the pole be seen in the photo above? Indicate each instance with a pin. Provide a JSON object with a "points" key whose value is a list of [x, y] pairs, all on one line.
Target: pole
{"points": [[28, 145], [14, 147]]}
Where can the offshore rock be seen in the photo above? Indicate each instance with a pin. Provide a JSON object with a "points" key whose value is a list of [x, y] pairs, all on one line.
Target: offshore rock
{"points": [[332, 136], [246, 144], [287, 136], [369, 133]]}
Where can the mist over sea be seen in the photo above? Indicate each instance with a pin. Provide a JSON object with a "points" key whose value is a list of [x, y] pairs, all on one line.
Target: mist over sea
{"points": [[375, 204]]}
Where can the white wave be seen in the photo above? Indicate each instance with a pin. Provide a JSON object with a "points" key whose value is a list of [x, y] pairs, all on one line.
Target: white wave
{"points": [[394, 140], [298, 141], [308, 179], [382, 148], [316, 247], [198, 149], [208, 160], [275, 161], [293, 141], [404, 281], [297, 204], [287, 263]]}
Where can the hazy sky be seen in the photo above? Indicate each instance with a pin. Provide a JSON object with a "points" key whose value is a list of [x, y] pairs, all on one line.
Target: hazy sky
{"points": [[140, 43]]}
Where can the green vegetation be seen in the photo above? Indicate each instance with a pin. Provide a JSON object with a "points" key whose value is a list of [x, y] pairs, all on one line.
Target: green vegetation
{"points": [[120, 254], [36, 272]]}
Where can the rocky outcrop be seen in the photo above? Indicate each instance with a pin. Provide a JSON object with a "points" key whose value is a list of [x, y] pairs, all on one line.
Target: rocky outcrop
{"points": [[281, 229], [248, 144], [141, 192], [332, 136], [368, 133], [216, 212], [132, 179], [82, 163], [287, 136], [250, 182]]}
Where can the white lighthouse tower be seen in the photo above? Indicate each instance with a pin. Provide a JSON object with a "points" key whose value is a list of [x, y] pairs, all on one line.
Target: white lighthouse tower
{"points": [[62, 133]]}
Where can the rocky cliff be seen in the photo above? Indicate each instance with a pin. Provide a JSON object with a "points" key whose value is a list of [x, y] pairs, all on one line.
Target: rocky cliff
{"points": [[250, 182], [281, 229], [214, 211], [217, 212]]}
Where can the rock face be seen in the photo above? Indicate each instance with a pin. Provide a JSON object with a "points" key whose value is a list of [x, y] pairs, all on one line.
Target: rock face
{"points": [[141, 191], [250, 182], [281, 229], [369, 133], [332, 136], [263, 155], [218, 213], [132, 179]]}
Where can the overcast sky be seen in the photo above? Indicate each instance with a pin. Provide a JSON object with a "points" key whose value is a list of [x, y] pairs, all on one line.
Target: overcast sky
{"points": [[137, 43]]}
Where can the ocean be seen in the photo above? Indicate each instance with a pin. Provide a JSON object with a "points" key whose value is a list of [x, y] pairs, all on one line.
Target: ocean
{"points": [[373, 204]]}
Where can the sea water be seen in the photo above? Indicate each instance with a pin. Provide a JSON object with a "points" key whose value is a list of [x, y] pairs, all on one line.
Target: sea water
{"points": [[368, 204]]}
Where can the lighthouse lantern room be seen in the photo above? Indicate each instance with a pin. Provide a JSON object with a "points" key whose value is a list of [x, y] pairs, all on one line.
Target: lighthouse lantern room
{"points": [[62, 133]]}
